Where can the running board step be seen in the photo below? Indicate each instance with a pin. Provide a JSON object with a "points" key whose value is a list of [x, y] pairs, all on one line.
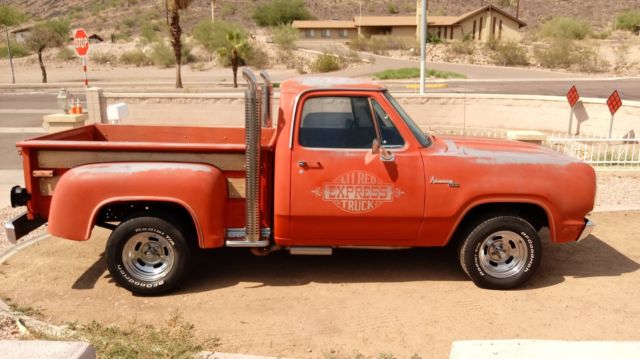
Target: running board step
{"points": [[311, 251]]}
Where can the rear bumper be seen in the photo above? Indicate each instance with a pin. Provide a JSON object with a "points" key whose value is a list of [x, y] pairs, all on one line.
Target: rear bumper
{"points": [[588, 228], [21, 226]]}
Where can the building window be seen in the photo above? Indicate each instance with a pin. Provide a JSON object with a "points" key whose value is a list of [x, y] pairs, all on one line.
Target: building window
{"points": [[474, 29], [500, 31], [310, 33], [493, 28], [480, 29], [344, 33], [326, 33]]}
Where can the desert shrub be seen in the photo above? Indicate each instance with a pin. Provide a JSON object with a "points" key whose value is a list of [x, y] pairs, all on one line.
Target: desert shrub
{"points": [[505, 3], [17, 50], [152, 31], [135, 58], [278, 12], [433, 39], [565, 28], [102, 58], [257, 57], [285, 36], [214, 36], [326, 63], [510, 53], [65, 54], [628, 20], [381, 44], [227, 9], [563, 53], [392, 8], [462, 48], [162, 55]]}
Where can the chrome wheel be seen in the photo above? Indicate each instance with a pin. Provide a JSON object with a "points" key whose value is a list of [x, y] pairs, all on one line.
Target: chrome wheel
{"points": [[503, 254], [148, 256]]}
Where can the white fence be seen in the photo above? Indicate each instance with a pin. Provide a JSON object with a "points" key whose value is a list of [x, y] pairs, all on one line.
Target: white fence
{"points": [[598, 151], [621, 153]]}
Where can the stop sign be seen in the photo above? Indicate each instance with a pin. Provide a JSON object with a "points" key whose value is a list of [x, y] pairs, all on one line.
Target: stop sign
{"points": [[81, 42]]}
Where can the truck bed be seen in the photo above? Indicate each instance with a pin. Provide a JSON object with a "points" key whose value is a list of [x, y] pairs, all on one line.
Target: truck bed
{"points": [[157, 138]]}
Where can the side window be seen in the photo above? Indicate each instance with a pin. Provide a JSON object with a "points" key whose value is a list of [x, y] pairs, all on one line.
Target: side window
{"points": [[337, 122], [390, 135]]}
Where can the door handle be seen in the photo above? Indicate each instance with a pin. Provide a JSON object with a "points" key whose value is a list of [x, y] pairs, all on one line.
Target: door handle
{"points": [[304, 164]]}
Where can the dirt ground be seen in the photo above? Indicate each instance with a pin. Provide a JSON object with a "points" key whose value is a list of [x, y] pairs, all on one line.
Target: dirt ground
{"points": [[355, 302]]}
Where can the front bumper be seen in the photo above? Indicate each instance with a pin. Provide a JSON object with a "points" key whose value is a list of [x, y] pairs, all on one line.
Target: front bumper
{"points": [[588, 228], [21, 226]]}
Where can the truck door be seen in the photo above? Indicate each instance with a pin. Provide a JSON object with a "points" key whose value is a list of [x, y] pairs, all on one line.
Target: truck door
{"points": [[342, 193]]}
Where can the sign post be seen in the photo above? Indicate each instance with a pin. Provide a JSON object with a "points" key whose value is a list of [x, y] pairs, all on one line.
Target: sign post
{"points": [[572, 96], [614, 102], [81, 45]]}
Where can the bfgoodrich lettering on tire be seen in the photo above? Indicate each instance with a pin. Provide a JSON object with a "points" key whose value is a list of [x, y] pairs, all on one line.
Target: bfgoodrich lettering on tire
{"points": [[147, 255], [501, 252]]}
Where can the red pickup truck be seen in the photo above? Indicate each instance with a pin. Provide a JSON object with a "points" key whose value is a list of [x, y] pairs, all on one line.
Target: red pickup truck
{"points": [[344, 167]]}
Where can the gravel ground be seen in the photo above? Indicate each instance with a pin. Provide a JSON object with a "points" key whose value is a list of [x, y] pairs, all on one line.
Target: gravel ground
{"points": [[8, 328], [615, 190]]}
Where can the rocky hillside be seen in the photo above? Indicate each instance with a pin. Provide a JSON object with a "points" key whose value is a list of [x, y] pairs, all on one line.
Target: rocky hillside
{"points": [[105, 15]]}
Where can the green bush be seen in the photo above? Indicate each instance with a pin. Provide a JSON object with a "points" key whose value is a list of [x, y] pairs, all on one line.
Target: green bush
{"points": [[285, 37], [257, 57], [392, 8], [510, 53], [326, 63], [135, 58], [414, 72], [278, 12], [214, 36], [563, 53], [17, 50], [66, 54], [629, 20], [565, 28], [462, 48], [381, 44], [103, 58], [162, 55]]}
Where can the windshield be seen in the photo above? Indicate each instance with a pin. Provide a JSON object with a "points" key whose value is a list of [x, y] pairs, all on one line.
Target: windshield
{"points": [[417, 132]]}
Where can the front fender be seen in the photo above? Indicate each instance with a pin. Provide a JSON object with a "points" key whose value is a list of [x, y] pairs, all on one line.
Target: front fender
{"points": [[82, 191]]}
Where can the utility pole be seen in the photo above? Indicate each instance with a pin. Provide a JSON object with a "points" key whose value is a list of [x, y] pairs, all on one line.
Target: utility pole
{"points": [[13, 76], [518, 10], [423, 46], [213, 13], [360, 20]]}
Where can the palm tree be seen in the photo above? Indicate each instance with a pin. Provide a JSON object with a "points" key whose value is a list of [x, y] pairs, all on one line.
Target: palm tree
{"points": [[174, 7], [236, 49]]}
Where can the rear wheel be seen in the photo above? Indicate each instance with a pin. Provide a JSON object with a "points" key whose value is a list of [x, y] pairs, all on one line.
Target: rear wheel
{"points": [[147, 255], [501, 252]]}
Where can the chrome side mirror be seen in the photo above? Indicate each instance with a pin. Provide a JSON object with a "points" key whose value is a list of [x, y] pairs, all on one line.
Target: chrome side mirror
{"points": [[385, 154]]}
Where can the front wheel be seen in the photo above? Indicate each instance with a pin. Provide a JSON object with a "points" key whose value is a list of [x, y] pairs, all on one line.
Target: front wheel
{"points": [[501, 252], [147, 255]]}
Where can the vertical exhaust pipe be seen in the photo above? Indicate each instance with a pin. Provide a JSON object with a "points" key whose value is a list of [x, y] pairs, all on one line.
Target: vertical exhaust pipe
{"points": [[266, 95], [252, 156]]}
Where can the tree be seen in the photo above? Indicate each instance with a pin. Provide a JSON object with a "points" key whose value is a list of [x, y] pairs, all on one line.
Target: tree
{"points": [[214, 36], [10, 16], [176, 34], [279, 12], [51, 33], [235, 50]]}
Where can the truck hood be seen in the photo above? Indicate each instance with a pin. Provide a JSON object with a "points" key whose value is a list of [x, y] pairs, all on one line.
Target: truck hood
{"points": [[494, 151]]}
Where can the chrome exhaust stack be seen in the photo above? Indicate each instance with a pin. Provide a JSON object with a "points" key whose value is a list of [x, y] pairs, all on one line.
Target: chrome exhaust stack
{"points": [[252, 157], [266, 97]]}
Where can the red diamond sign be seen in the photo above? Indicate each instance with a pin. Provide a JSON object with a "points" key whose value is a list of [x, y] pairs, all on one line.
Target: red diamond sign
{"points": [[614, 102], [573, 96]]}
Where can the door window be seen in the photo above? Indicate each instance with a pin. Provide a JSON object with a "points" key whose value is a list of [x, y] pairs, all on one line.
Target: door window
{"points": [[337, 122], [389, 133]]}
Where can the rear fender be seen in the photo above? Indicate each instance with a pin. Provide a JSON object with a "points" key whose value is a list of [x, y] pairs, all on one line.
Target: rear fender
{"points": [[82, 191]]}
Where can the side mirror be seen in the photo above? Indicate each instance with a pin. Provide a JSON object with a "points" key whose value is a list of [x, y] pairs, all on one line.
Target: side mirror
{"points": [[385, 154]]}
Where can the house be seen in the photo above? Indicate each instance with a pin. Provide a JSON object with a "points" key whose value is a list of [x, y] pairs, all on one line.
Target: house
{"points": [[327, 29], [21, 34], [95, 39], [482, 24], [485, 23]]}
